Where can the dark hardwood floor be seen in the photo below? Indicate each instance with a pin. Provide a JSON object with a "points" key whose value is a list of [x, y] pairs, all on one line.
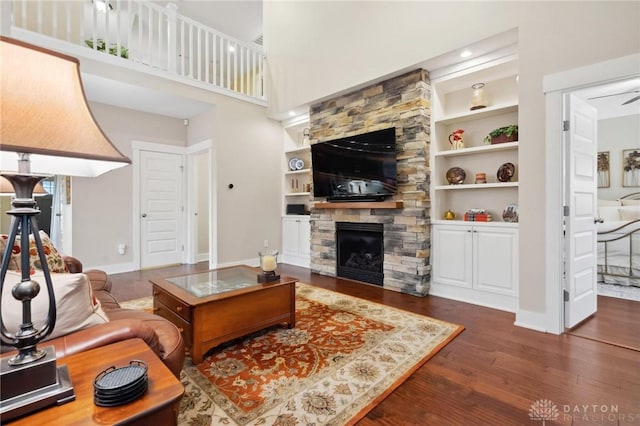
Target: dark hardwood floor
{"points": [[493, 372], [617, 322]]}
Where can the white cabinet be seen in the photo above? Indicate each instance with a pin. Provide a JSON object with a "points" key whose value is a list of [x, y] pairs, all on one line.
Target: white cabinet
{"points": [[296, 243], [476, 263]]}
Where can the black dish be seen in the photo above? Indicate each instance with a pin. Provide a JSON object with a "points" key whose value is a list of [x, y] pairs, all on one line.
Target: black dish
{"points": [[116, 386]]}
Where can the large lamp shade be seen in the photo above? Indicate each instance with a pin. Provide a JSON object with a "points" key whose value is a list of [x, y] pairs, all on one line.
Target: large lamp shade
{"points": [[44, 113], [46, 128]]}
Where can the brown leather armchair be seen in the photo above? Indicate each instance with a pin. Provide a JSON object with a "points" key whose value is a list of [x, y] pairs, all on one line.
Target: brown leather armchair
{"points": [[160, 335]]}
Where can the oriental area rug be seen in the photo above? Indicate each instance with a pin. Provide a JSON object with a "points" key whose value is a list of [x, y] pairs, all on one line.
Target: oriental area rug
{"points": [[344, 356]]}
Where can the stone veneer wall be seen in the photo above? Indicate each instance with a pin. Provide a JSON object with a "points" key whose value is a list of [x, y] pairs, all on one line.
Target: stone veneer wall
{"points": [[403, 102]]}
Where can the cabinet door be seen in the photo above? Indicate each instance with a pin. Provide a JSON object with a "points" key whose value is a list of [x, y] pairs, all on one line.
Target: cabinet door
{"points": [[496, 260], [452, 255], [290, 237], [304, 237]]}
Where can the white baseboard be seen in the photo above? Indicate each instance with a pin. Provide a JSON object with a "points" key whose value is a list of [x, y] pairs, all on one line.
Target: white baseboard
{"points": [[303, 261], [481, 298], [251, 262], [202, 257], [531, 320], [129, 267], [113, 269]]}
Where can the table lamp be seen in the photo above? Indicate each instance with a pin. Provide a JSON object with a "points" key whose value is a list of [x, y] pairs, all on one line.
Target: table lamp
{"points": [[46, 129]]}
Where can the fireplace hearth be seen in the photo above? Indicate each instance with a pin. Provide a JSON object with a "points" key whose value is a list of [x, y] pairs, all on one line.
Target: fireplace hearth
{"points": [[360, 251]]}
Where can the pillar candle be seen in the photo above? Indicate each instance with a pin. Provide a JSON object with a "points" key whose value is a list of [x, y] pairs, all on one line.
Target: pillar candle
{"points": [[268, 263]]}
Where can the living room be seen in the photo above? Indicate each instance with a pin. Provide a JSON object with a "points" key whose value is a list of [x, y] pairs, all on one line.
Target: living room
{"points": [[247, 163], [230, 226]]}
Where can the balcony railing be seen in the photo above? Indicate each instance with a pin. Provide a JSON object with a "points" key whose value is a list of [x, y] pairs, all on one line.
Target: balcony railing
{"points": [[148, 34]]}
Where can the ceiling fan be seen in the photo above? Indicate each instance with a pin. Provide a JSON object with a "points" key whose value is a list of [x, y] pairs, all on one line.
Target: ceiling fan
{"points": [[634, 99]]}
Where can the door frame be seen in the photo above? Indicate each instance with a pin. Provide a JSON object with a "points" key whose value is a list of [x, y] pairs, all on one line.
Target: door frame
{"points": [[137, 234], [555, 86], [204, 147]]}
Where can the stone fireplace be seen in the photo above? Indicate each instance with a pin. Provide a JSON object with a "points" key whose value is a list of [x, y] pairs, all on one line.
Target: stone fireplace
{"points": [[404, 103], [360, 251]]}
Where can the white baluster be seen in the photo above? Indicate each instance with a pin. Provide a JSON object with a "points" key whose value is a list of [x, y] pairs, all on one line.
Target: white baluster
{"points": [[172, 53], [206, 57], [54, 19], [199, 53]]}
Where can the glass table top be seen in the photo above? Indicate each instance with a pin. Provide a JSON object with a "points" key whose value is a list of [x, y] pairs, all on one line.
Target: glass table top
{"points": [[214, 282]]}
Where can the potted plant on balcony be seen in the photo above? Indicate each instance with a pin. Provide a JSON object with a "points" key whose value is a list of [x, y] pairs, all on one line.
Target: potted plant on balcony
{"points": [[502, 135], [113, 49]]}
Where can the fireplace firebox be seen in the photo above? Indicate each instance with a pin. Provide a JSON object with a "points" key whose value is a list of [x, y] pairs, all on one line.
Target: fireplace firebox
{"points": [[360, 251]]}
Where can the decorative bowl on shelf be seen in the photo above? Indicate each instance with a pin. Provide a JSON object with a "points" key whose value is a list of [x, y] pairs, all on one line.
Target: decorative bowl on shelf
{"points": [[506, 172], [455, 176]]}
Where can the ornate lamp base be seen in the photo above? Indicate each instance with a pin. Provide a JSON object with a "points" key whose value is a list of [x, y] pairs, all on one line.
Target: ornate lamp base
{"points": [[33, 386]]}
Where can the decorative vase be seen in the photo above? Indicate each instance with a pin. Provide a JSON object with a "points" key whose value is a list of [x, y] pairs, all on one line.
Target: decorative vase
{"points": [[306, 134], [478, 100], [456, 139]]}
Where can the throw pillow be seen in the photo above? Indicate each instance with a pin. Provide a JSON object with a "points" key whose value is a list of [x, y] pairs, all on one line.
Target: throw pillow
{"points": [[13, 266], [609, 213], [630, 202], [629, 213], [54, 258], [602, 203], [76, 306]]}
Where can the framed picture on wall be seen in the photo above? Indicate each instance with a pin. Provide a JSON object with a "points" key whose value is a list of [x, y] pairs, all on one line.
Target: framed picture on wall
{"points": [[604, 177], [630, 167]]}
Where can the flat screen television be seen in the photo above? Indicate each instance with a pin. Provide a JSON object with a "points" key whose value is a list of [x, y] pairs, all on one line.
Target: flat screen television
{"points": [[361, 167]]}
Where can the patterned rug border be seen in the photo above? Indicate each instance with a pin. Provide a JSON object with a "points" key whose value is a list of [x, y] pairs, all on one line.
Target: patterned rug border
{"points": [[146, 303], [400, 380]]}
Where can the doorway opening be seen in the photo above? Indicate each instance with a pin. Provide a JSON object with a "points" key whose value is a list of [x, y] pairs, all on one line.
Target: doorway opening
{"points": [[556, 87]]}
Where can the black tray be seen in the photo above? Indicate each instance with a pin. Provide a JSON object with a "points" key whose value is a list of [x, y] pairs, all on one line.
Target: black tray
{"points": [[116, 386]]}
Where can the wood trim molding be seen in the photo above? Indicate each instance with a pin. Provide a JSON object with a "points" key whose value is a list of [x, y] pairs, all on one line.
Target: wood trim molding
{"points": [[361, 205]]}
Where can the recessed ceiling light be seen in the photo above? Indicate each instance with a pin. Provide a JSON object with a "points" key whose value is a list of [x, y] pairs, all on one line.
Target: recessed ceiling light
{"points": [[465, 53], [292, 113]]}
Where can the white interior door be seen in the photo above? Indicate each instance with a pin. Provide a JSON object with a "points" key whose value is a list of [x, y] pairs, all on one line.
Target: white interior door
{"points": [[161, 208], [580, 196]]}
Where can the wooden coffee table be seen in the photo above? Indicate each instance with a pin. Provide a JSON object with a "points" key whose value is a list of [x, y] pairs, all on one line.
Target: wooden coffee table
{"points": [[216, 306], [157, 406]]}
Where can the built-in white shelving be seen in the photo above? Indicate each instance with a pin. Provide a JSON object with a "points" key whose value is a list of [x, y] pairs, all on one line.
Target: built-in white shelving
{"points": [[476, 262]]}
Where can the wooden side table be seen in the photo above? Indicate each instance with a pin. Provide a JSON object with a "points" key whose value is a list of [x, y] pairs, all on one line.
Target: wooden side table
{"points": [[155, 407]]}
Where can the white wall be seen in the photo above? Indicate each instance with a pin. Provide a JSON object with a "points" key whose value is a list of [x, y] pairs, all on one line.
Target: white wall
{"points": [[249, 156], [247, 152], [103, 206], [616, 135], [331, 46], [247, 148]]}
